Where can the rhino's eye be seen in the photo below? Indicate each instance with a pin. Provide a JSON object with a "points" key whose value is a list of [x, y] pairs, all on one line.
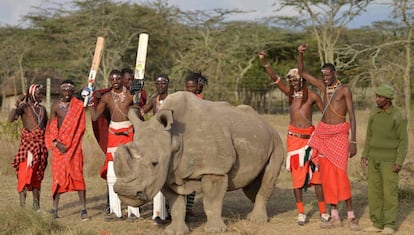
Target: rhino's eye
{"points": [[154, 163]]}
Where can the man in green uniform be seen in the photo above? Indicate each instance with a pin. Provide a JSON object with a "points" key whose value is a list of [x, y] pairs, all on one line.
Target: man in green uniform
{"points": [[385, 149]]}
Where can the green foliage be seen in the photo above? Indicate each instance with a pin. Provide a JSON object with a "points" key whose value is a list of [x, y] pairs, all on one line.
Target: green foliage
{"points": [[25, 221], [11, 130], [62, 39]]}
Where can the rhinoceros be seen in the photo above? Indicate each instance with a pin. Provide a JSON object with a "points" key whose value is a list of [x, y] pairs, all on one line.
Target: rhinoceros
{"points": [[203, 146]]}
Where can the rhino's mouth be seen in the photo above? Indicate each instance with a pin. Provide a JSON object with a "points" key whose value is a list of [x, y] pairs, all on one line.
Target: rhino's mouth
{"points": [[132, 201], [129, 195]]}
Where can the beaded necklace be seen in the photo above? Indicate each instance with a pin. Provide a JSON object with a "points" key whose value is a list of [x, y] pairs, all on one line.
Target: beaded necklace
{"points": [[119, 97], [297, 94], [64, 105], [330, 91], [37, 115]]}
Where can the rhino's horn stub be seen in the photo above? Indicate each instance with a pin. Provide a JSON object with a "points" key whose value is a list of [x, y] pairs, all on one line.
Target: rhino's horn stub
{"points": [[165, 117], [133, 117]]}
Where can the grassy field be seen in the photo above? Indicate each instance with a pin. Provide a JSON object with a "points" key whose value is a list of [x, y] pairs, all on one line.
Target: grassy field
{"points": [[281, 208]]}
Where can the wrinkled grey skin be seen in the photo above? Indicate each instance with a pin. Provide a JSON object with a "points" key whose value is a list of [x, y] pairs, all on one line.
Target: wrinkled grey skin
{"points": [[197, 145]]}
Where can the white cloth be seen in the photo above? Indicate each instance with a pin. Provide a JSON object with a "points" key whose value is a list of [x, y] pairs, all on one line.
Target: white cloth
{"points": [[301, 152], [159, 208], [29, 159], [114, 201]]}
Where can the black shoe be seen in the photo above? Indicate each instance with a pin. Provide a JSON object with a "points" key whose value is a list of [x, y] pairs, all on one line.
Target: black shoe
{"points": [[107, 210], [36, 205], [159, 221], [188, 216], [132, 218], [113, 218], [84, 215], [54, 213]]}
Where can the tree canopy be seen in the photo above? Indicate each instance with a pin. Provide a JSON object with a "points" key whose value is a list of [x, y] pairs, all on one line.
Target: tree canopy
{"points": [[62, 39]]}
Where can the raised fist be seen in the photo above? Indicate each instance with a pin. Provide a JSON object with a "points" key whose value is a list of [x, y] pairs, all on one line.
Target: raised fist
{"points": [[262, 54], [87, 93], [302, 47], [136, 86]]}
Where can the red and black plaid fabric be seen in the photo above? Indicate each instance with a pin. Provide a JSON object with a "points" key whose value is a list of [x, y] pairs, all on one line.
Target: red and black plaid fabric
{"points": [[33, 141], [67, 168]]}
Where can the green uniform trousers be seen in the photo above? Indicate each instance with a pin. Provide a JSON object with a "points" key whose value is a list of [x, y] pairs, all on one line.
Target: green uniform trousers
{"points": [[382, 194]]}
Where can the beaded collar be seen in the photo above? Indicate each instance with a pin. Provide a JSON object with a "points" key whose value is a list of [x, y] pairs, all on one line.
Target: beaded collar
{"points": [[119, 97], [297, 94], [330, 90]]}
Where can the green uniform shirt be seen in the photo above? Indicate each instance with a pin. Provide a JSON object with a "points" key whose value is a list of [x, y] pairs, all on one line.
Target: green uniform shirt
{"points": [[387, 137]]}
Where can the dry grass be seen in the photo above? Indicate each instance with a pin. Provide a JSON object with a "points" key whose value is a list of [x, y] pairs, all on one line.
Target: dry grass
{"points": [[281, 206]]}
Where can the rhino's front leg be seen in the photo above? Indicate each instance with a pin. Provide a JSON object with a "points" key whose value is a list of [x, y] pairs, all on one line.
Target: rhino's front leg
{"points": [[214, 188], [177, 205], [267, 186]]}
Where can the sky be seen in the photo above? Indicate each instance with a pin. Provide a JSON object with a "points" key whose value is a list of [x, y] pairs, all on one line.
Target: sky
{"points": [[11, 11]]}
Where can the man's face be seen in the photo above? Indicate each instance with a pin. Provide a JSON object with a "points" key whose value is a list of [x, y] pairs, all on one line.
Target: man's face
{"points": [[66, 93], [116, 81], [200, 85], [191, 86], [328, 76], [127, 80], [38, 94], [381, 101], [295, 83], [162, 85]]}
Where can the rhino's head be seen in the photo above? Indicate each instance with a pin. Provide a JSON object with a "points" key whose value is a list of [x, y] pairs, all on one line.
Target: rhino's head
{"points": [[141, 166]]}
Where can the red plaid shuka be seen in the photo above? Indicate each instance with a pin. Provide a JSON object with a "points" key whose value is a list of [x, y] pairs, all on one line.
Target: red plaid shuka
{"points": [[332, 142], [67, 168], [33, 141]]}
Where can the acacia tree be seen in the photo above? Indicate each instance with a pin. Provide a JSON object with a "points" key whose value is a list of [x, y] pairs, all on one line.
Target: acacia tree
{"points": [[225, 51], [328, 20], [120, 25], [404, 10]]}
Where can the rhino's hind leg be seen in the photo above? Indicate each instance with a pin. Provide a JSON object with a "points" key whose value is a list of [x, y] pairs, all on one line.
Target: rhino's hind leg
{"points": [[214, 188], [177, 203], [251, 189], [267, 185]]}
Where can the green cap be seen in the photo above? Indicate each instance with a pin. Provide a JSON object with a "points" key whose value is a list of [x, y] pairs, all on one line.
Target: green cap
{"points": [[386, 91]]}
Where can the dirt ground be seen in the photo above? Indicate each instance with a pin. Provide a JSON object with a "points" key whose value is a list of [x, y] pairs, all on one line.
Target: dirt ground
{"points": [[281, 210]]}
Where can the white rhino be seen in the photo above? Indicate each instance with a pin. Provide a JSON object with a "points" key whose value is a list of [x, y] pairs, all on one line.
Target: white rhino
{"points": [[197, 145]]}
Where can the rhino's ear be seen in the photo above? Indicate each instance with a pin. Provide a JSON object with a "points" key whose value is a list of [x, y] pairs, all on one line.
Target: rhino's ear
{"points": [[165, 117], [133, 117]]}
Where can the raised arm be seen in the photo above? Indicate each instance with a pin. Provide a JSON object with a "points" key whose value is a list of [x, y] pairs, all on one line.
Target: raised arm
{"points": [[19, 110], [303, 73], [148, 106], [272, 74]]}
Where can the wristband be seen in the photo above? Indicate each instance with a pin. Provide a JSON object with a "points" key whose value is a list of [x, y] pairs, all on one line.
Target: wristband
{"points": [[277, 81], [266, 65], [352, 142]]}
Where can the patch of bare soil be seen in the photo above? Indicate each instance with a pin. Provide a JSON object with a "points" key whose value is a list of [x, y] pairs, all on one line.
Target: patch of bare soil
{"points": [[281, 211]]}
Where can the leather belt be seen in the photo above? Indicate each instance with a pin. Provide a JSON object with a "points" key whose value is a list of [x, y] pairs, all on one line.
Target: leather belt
{"points": [[299, 135]]}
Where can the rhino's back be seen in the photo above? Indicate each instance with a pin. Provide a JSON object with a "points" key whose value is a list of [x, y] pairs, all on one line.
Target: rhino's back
{"points": [[219, 138]]}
